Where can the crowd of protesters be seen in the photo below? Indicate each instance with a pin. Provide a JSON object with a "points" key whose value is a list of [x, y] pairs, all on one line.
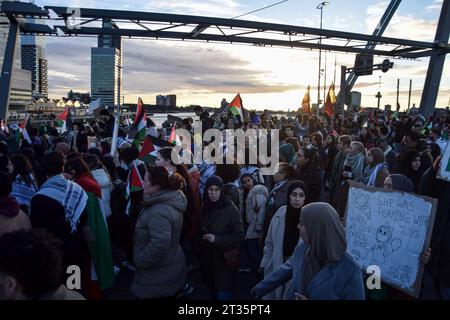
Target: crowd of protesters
{"points": [[66, 201]]}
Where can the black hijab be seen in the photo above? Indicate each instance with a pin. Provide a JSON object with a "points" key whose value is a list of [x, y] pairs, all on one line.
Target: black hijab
{"points": [[291, 233], [208, 205]]}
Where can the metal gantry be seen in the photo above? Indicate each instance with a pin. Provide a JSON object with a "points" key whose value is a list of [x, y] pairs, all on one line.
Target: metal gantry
{"points": [[134, 24]]}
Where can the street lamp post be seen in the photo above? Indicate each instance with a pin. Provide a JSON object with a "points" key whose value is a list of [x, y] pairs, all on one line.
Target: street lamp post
{"points": [[320, 7]]}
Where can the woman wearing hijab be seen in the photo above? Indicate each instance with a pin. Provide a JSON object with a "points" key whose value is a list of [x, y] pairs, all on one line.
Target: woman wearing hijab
{"points": [[375, 171], [283, 236], [222, 234], [410, 163], [398, 182], [320, 267], [287, 154], [433, 151]]}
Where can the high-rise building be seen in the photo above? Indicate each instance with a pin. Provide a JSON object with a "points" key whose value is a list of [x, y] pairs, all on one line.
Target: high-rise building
{"points": [[106, 68], [167, 101], [34, 60], [20, 94], [105, 75]]}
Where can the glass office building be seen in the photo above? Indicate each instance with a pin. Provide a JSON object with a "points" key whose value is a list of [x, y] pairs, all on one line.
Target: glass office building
{"points": [[106, 68], [105, 75], [34, 60], [20, 94]]}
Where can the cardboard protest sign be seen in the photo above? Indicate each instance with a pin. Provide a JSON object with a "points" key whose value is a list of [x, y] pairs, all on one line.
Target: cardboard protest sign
{"points": [[444, 168], [391, 230]]}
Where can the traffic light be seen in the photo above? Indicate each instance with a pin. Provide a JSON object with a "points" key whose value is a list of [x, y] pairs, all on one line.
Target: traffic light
{"points": [[363, 64]]}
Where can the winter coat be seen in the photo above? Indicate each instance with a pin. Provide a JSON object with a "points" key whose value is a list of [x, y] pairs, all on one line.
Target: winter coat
{"points": [[336, 174], [255, 210], [104, 181], [23, 192], [49, 214], [226, 224], [62, 293], [193, 232], [313, 177], [231, 192], [382, 174], [276, 199], [341, 280], [11, 217], [273, 254], [439, 265], [159, 260], [18, 222]]}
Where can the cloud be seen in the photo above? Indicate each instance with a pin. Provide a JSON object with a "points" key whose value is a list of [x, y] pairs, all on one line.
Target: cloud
{"points": [[436, 6], [361, 85], [401, 26], [159, 67], [226, 8]]}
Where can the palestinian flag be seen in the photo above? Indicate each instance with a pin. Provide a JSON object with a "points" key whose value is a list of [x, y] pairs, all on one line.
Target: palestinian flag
{"points": [[158, 143], [64, 120], [99, 244], [23, 129], [306, 103], [134, 184], [236, 108], [138, 129], [330, 101], [114, 137], [173, 135], [147, 151]]}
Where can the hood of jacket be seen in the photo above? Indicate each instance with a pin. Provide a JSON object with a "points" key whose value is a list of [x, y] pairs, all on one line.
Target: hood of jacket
{"points": [[173, 198], [258, 189], [101, 177]]}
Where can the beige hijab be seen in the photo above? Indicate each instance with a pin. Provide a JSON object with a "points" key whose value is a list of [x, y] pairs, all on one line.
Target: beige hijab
{"points": [[326, 237]]}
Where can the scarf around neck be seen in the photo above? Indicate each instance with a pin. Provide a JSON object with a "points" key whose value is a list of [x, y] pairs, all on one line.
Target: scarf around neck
{"points": [[68, 194]]}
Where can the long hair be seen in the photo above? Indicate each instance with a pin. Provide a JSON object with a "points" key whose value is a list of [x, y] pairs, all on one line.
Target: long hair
{"points": [[310, 153], [166, 153], [160, 176], [22, 168], [78, 165]]}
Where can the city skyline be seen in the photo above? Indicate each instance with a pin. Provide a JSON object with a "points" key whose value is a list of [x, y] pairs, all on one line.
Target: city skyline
{"points": [[265, 77]]}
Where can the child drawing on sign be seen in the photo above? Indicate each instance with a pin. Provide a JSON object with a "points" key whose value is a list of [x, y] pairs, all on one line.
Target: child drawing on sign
{"points": [[362, 203], [385, 245]]}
